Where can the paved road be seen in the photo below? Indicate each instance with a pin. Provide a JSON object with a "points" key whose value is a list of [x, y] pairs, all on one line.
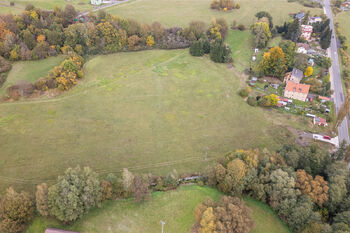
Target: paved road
{"points": [[336, 82], [102, 7]]}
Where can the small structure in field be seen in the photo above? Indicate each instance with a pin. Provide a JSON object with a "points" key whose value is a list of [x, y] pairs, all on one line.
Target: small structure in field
{"points": [[52, 230], [296, 91], [96, 2]]}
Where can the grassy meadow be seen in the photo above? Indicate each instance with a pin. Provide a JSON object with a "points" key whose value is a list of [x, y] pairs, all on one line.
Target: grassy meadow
{"points": [[241, 46], [343, 19], [181, 12], [30, 71], [174, 207], [150, 111]]}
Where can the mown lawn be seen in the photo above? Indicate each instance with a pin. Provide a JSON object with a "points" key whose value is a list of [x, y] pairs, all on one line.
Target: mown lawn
{"points": [[181, 12], [174, 207], [241, 46], [30, 71], [264, 217], [150, 111]]}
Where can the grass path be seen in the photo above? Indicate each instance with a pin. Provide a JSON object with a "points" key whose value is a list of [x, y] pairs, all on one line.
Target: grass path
{"points": [[174, 207]]}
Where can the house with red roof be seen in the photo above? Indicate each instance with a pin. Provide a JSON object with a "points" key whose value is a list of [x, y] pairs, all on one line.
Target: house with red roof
{"points": [[296, 91], [320, 121], [306, 31]]}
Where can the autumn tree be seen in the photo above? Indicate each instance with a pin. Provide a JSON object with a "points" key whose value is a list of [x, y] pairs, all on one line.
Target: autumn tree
{"points": [[282, 187], [207, 222], [308, 71], [150, 41], [195, 30], [273, 63], [133, 42], [106, 190], [140, 188], [289, 49], [16, 210], [127, 180], [41, 199], [262, 34], [342, 112], [316, 188], [228, 215], [74, 194]]}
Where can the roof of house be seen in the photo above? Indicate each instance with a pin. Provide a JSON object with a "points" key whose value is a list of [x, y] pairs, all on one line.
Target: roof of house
{"points": [[300, 15], [297, 73], [320, 120], [297, 87], [52, 230], [303, 45], [324, 98], [306, 28]]}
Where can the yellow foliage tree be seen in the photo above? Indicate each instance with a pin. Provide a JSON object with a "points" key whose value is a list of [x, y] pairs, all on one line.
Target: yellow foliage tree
{"points": [[207, 223], [41, 38], [34, 15], [308, 72], [150, 41]]}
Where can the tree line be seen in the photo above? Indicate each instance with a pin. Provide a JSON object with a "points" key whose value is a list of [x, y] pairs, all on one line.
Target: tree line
{"points": [[307, 187]]}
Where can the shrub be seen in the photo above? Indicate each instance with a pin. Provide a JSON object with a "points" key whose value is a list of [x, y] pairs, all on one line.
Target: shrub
{"points": [[69, 199], [41, 199], [252, 101], [244, 92], [196, 48], [241, 27], [4, 65], [16, 210], [220, 52]]}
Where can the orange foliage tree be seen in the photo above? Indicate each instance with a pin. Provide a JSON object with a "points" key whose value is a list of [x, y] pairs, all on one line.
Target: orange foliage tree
{"points": [[316, 188]]}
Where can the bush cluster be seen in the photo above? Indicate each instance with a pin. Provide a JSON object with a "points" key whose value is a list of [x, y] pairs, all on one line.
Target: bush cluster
{"points": [[224, 5]]}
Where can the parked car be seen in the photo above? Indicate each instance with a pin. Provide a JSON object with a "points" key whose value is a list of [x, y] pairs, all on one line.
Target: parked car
{"points": [[327, 137]]}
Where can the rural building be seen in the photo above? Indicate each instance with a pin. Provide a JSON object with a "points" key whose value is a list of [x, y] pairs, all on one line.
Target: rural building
{"points": [[323, 99], [302, 48], [96, 2], [311, 62], [306, 31], [51, 230], [296, 91], [295, 76], [315, 19], [345, 5], [320, 121], [300, 16]]}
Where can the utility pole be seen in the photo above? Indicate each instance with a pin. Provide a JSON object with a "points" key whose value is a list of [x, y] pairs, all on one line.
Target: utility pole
{"points": [[163, 223]]}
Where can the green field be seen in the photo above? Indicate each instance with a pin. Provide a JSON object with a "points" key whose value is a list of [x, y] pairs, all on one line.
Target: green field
{"points": [[174, 207], [150, 111], [30, 71], [241, 46], [80, 5], [343, 19], [181, 12]]}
